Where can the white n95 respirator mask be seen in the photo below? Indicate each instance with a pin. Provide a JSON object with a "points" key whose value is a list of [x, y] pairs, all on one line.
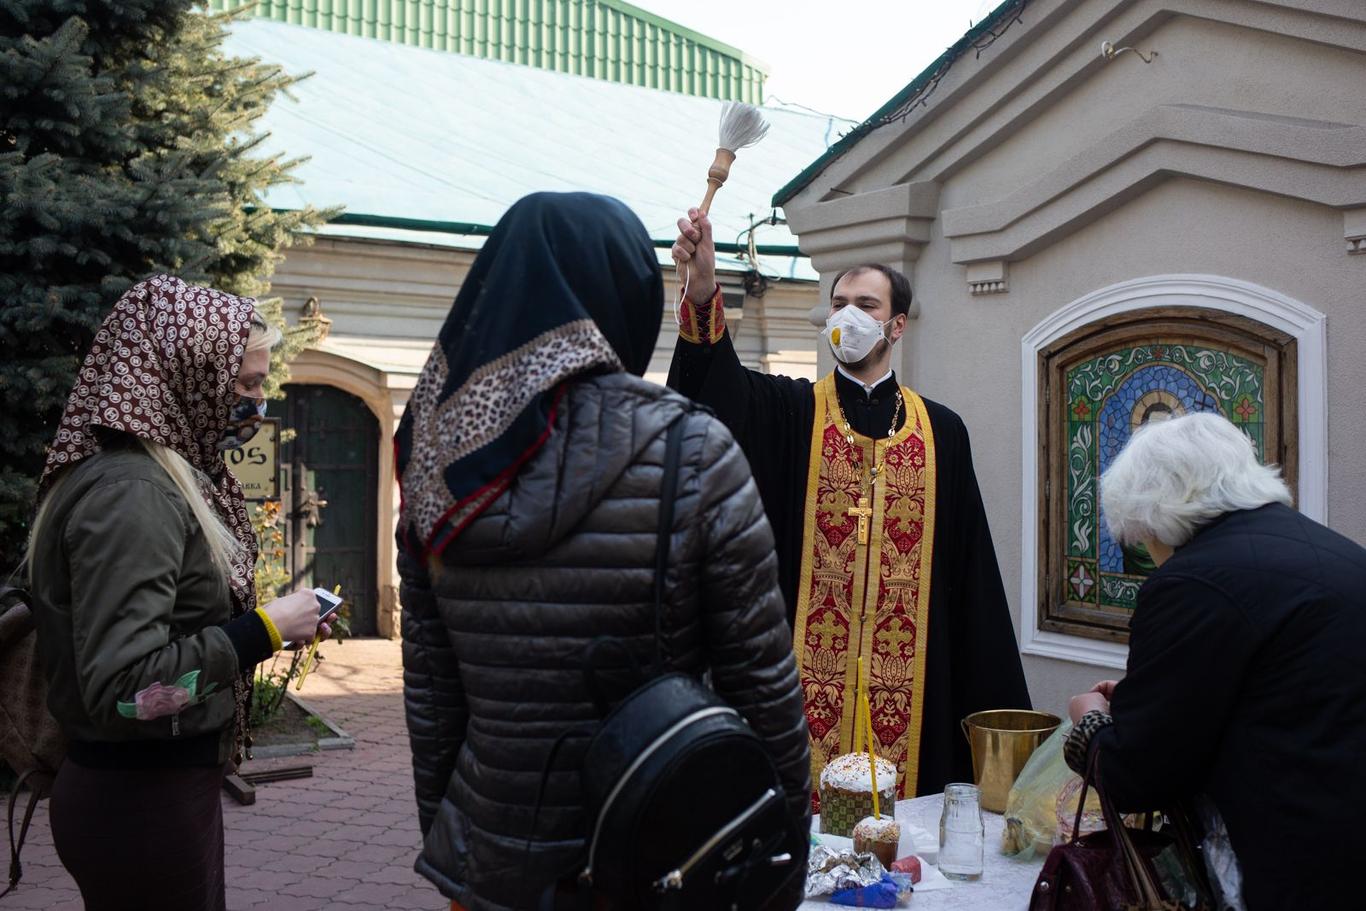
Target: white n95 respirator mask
{"points": [[852, 334]]}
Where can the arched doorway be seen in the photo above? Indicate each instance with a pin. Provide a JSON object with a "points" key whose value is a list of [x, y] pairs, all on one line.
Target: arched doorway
{"points": [[330, 478]]}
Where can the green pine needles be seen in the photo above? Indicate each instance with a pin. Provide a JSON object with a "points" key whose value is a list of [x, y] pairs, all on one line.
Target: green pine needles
{"points": [[126, 149]]}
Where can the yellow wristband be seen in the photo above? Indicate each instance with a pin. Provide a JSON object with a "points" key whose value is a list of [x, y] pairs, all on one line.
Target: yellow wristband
{"points": [[276, 642]]}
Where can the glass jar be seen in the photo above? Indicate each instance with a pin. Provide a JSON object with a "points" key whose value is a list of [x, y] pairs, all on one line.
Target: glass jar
{"points": [[961, 833]]}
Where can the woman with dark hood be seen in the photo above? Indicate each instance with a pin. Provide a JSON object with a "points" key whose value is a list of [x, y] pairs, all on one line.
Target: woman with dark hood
{"points": [[531, 461]]}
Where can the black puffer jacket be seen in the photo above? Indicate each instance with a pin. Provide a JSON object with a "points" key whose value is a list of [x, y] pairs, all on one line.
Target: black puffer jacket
{"points": [[494, 635]]}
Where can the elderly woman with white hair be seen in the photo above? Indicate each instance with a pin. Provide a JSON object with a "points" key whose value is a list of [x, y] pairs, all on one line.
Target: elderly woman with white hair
{"points": [[1246, 688]]}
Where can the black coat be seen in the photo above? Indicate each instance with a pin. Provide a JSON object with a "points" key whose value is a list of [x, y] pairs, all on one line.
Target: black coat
{"points": [[1247, 683], [494, 636]]}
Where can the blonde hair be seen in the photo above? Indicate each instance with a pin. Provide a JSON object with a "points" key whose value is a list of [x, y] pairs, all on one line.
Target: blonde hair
{"points": [[224, 548], [263, 334]]}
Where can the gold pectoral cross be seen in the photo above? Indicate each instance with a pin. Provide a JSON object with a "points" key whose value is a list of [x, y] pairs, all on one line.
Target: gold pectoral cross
{"points": [[864, 512]]}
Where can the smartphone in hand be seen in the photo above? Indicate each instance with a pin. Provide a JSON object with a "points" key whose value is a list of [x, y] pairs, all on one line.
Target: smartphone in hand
{"points": [[328, 605]]}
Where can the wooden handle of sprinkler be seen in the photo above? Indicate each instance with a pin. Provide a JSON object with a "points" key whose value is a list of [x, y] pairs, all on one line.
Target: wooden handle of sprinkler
{"points": [[716, 175]]}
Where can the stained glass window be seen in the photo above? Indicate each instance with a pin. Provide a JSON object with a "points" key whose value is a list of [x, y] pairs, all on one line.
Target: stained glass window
{"points": [[1103, 384]]}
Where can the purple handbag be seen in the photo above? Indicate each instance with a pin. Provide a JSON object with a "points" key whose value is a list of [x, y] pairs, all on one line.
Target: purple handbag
{"points": [[1115, 869]]}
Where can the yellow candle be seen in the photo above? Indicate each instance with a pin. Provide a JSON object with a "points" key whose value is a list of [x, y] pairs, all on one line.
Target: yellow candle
{"points": [[868, 733]]}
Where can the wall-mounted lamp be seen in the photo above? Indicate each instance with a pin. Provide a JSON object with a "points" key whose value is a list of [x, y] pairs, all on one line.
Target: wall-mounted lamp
{"points": [[1109, 52]]}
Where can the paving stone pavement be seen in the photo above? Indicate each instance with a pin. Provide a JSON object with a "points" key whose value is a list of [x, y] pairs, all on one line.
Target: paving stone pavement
{"points": [[344, 839]]}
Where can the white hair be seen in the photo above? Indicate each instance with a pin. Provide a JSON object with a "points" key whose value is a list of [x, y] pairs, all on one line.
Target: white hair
{"points": [[1176, 476]]}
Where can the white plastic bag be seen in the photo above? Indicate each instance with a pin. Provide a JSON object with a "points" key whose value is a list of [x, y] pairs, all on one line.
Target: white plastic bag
{"points": [[1042, 805]]}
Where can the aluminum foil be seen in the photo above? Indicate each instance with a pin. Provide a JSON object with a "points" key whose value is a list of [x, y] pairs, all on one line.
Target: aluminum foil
{"points": [[829, 871]]}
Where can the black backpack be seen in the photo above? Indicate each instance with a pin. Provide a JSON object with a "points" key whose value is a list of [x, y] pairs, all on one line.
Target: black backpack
{"points": [[31, 743], [688, 810], [686, 806]]}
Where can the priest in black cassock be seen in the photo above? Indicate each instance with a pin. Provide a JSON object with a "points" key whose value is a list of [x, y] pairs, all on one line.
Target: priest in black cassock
{"points": [[884, 553]]}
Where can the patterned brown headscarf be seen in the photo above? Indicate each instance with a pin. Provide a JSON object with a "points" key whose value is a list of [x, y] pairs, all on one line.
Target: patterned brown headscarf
{"points": [[163, 367]]}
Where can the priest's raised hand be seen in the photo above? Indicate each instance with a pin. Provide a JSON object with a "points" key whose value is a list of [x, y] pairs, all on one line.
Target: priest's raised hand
{"points": [[695, 252]]}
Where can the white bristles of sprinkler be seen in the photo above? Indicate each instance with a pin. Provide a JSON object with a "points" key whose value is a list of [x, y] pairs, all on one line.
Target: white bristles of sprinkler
{"points": [[741, 125]]}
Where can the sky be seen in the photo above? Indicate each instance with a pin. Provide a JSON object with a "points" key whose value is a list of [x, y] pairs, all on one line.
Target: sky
{"points": [[847, 57]]}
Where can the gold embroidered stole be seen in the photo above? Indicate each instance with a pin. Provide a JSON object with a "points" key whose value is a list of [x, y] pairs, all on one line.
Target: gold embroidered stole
{"points": [[866, 600]]}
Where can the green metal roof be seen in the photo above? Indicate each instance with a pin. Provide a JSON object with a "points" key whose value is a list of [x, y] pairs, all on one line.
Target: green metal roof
{"points": [[423, 146], [601, 39], [1007, 10]]}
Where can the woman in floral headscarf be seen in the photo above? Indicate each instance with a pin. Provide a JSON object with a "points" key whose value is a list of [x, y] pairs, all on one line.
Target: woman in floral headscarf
{"points": [[141, 565]]}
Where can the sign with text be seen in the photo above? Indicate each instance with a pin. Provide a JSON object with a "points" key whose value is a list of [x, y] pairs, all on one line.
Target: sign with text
{"points": [[257, 464]]}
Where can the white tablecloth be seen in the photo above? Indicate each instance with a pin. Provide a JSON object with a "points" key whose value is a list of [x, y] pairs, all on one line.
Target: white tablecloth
{"points": [[1005, 884]]}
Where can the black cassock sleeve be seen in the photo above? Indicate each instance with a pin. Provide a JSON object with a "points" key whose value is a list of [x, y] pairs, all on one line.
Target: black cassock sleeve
{"points": [[769, 416], [974, 661]]}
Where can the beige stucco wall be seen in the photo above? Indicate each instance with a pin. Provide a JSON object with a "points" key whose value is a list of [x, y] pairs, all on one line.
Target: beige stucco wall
{"points": [[965, 351], [1239, 152]]}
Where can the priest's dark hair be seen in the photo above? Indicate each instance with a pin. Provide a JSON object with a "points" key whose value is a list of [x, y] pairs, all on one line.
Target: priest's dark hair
{"points": [[901, 286]]}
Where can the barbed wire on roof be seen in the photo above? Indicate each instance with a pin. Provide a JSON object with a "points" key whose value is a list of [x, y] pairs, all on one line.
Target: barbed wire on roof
{"points": [[771, 100], [920, 97], [831, 120]]}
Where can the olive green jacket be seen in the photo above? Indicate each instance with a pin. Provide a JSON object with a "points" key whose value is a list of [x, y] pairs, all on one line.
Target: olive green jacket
{"points": [[133, 616]]}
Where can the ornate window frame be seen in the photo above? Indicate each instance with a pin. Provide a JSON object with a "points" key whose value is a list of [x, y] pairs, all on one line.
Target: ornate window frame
{"points": [[1306, 325]]}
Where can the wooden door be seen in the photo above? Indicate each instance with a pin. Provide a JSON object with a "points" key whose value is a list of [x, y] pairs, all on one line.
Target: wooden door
{"points": [[331, 478]]}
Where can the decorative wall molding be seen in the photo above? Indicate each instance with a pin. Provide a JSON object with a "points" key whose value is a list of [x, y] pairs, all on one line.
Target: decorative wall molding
{"points": [[1036, 218], [1307, 325], [1263, 137], [982, 99], [1354, 229], [889, 226], [987, 278]]}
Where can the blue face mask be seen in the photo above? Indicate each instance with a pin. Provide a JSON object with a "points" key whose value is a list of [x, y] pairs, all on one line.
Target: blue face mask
{"points": [[243, 422]]}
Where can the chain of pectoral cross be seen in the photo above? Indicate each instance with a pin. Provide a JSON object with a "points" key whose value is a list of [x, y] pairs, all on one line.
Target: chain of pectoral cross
{"points": [[864, 510]]}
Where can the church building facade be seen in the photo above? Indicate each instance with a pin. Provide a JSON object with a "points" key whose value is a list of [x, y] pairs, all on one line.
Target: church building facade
{"points": [[1111, 212]]}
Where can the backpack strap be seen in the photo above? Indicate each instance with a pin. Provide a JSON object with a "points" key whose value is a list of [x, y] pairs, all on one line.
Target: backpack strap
{"points": [[14, 594], [16, 870], [664, 536], [673, 445], [605, 656]]}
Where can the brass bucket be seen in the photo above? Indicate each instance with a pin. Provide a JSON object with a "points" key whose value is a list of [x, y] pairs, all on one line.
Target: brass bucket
{"points": [[1002, 741]]}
